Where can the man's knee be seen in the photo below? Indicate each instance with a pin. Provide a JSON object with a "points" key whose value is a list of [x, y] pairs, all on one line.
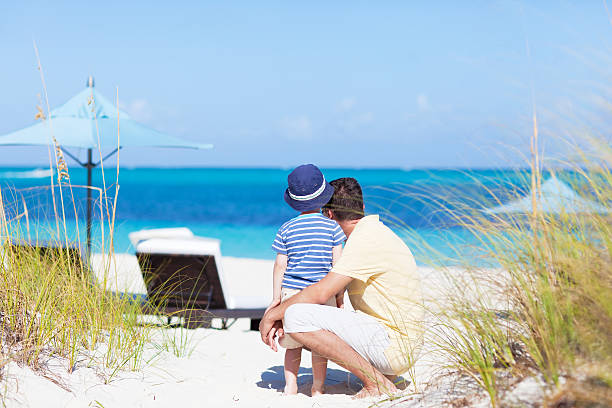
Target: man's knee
{"points": [[292, 316], [298, 318]]}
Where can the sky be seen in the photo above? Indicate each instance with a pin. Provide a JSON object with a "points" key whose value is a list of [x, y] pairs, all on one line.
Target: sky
{"points": [[339, 84]]}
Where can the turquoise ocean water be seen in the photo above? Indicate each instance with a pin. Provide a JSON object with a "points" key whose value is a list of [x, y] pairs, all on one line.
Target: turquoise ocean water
{"points": [[244, 207]]}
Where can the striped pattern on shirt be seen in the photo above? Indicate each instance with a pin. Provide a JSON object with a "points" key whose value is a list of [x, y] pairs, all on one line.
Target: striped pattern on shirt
{"points": [[307, 240]]}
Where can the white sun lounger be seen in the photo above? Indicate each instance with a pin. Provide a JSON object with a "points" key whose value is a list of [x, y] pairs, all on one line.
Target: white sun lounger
{"points": [[188, 274], [142, 235]]}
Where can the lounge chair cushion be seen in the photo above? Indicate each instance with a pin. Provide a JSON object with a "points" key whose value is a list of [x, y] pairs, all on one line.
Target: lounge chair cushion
{"points": [[246, 284], [138, 236]]}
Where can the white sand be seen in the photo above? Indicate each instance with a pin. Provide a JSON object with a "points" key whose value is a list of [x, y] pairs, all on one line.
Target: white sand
{"points": [[225, 367]]}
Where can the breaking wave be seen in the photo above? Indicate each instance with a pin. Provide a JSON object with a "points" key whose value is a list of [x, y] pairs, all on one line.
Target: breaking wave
{"points": [[26, 174]]}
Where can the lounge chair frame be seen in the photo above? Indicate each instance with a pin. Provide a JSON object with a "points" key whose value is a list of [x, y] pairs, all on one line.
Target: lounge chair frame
{"points": [[189, 286]]}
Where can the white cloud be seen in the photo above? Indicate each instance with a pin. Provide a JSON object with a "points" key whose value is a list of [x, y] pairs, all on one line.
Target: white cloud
{"points": [[348, 119], [138, 109], [363, 119], [346, 104], [353, 122], [423, 102], [298, 127]]}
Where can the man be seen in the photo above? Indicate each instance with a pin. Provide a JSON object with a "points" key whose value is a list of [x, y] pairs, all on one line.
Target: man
{"points": [[380, 339]]}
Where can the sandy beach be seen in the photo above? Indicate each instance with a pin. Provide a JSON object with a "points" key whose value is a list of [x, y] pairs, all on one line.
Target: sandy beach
{"points": [[232, 153], [224, 368], [214, 367]]}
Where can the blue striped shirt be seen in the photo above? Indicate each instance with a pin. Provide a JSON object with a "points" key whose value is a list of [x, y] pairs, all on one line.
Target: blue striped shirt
{"points": [[307, 240]]}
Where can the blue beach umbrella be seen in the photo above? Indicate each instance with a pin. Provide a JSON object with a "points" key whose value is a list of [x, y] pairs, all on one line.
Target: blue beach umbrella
{"points": [[556, 197], [89, 121]]}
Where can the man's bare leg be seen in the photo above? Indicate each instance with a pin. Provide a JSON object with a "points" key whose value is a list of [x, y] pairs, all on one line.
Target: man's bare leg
{"points": [[319, 372], [293, 358], [328, 345]]}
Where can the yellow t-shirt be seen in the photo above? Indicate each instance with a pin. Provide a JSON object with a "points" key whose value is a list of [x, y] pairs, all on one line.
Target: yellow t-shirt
{"points": [[386, 286]]}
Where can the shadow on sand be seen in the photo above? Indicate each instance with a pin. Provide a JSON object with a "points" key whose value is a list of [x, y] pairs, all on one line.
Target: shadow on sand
{"points": [[336, 382]]}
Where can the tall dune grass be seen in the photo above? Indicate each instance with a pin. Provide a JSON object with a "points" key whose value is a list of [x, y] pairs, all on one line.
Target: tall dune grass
{"points": [[546, 310], [50, 303], [50, 306]]}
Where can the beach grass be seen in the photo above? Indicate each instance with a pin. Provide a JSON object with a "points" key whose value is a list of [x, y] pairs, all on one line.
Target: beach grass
{"points": [[543, 306], [51, 305]]}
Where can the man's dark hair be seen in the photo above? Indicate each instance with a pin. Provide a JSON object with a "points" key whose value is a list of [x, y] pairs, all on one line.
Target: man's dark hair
{"points": [[347, 201]]}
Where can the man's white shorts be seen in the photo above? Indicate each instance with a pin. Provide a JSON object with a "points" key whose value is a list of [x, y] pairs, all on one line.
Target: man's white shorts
{"points": [[363, 333]]}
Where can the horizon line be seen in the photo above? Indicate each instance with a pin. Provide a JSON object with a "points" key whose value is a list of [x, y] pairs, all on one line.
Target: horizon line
{"points": [[262, 167]]}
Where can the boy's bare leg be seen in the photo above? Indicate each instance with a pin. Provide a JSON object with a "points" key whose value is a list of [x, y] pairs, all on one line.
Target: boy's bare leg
{"points": [[319, 372], [293, 358], [334, 348]]}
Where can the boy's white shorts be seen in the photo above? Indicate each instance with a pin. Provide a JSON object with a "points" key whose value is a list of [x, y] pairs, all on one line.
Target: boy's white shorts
{"points": [[363, 333], [287, 341]]}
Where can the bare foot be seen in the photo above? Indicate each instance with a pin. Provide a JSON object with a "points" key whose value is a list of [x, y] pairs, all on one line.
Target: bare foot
{"points": [[375, 392], [317, 390], [290, 389]]}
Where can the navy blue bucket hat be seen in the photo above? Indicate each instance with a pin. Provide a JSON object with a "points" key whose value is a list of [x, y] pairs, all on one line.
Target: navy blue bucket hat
{"points": [[307, 189]]}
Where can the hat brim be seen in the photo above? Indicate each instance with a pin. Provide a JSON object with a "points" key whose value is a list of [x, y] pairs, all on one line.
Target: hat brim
{"points": [[313, 204]]}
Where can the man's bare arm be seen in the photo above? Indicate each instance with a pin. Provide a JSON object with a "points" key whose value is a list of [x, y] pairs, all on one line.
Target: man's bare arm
{"points": [[317, 293]]}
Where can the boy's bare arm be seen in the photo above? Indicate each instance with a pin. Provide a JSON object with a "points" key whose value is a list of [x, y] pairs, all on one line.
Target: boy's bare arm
{"points": [[336, 253], [280, 266], [340, 299]]}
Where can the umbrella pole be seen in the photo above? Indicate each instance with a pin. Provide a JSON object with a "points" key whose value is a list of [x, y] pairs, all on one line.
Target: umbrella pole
{"points": [[90, 165]]}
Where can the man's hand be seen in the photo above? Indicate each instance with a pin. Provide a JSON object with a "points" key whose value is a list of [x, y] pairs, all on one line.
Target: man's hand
{"points": [[268, 329], [271, 323]]}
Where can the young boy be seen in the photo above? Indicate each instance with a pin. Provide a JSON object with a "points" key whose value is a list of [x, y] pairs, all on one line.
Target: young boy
{"points": [[307, 246]]}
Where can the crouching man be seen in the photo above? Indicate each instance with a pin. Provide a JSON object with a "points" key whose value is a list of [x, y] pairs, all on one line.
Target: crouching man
{"points": [[381, 338]]}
